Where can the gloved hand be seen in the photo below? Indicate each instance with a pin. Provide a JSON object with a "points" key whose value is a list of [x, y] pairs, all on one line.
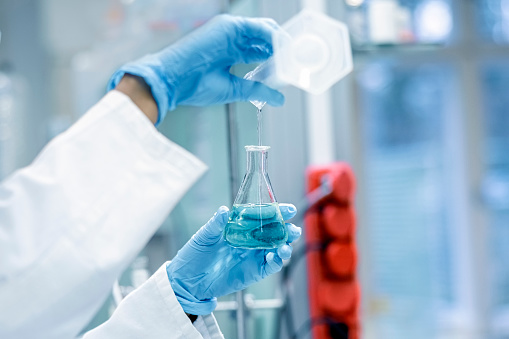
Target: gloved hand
{"points": [[196, 70], [207, 267]]}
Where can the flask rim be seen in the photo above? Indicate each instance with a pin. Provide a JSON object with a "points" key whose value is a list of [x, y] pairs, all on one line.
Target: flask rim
{"points": [[250, 148]]}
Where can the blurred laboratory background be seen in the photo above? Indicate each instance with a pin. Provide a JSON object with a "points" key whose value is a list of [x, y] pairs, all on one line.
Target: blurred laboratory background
{"points": [[423, 120]]}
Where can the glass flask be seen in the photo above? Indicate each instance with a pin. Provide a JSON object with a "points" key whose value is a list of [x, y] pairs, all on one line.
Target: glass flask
{"points": [[255, 220]]}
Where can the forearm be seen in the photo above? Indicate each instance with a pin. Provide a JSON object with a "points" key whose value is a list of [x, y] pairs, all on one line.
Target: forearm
{"points": [[139, 92], [95, 196]]}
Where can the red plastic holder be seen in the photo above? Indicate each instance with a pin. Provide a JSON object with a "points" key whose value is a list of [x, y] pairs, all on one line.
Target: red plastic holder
{"points": [[334, 292]]}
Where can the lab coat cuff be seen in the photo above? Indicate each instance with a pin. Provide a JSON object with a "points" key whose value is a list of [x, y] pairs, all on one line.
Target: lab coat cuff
{"points": [[169, 298], [208, 327], [205, 324]]}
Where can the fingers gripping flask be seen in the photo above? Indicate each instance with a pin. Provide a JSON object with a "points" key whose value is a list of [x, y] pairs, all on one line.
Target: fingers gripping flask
{"points": [[255, 220]]}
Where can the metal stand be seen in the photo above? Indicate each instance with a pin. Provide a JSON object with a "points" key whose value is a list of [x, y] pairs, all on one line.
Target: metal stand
{"points": [[247, 302], [239, 305]]}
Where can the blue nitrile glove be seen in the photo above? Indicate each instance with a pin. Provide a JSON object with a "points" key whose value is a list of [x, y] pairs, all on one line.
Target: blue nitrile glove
{"points": [[196, 70], [207, 267]]}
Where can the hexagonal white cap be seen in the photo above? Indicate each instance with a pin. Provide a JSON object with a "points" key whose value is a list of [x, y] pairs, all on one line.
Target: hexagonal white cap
{"points": [[312, 52]]}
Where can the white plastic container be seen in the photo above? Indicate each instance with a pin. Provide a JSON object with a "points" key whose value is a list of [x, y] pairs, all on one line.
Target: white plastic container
{"points": [[312, 52]]}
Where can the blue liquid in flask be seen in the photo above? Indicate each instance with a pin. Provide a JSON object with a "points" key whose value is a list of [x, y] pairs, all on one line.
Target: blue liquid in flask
{"points": [[256, 226]]}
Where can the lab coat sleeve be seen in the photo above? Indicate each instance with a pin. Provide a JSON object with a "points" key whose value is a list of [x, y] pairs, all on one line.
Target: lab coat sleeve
{"points": [[152, 311], [73, 220]]}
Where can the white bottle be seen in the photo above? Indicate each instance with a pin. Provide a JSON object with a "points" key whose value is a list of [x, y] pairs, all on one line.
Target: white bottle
{"points": [[311, 52]]}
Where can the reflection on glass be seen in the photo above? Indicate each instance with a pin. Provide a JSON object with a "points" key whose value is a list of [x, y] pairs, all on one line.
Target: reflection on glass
{"points": [[405, 178]]}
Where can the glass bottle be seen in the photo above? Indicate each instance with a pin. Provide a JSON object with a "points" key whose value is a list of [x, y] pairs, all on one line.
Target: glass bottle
{"points": [[255, 220]]}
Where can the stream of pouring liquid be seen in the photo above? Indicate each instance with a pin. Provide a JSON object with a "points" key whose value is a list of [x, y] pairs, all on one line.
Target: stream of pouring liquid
{"points": [[259, 129]]}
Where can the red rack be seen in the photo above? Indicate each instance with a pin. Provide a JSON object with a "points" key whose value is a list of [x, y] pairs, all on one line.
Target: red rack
{"points": [[334, 293]]}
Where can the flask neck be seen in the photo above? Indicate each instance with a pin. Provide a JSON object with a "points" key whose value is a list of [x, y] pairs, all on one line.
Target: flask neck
{"points": [[255, 187], [257, 161]]}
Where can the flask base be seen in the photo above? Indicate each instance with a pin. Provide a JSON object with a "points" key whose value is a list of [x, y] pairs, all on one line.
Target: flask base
{"points": [[256, 226]]}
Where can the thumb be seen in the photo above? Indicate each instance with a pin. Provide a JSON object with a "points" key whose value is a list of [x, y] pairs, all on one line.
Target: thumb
{"points": [[211, 232], [248, 90]]}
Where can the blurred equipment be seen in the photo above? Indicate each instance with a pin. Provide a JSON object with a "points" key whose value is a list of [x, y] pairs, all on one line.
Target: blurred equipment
{"points": [[334, 291], [12, 121], [378, 23]]}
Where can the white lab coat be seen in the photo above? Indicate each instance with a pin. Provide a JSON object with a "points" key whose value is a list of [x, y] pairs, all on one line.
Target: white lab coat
{"points": [[73, 220]]}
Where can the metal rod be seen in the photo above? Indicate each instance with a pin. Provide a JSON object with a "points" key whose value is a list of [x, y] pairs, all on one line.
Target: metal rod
{"points": [[241, 315], [233, 157], [234, 184], [226, 306], [250, 304], [263, 304]]}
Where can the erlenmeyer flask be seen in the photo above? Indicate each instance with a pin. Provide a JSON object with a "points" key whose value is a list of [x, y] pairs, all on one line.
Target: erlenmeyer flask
{"points": [[255, 219]]}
